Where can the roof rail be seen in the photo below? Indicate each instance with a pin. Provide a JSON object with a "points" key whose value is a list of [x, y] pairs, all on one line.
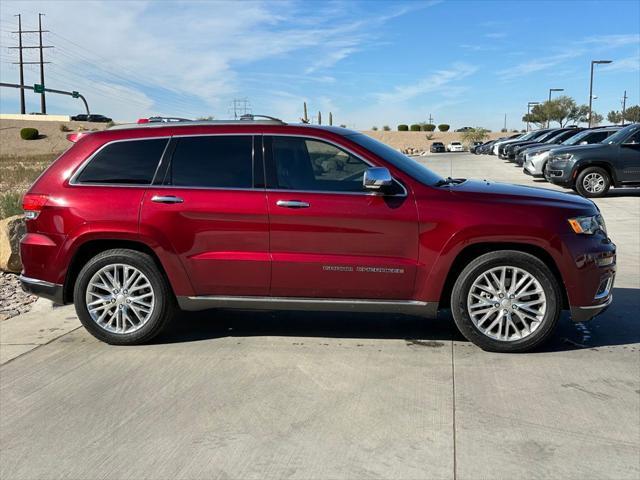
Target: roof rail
{"points": [[250, 117]]}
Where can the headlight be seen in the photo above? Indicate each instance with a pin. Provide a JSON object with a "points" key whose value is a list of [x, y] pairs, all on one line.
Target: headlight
{"points": [[588, 225], [563, 156], [539, 155]]}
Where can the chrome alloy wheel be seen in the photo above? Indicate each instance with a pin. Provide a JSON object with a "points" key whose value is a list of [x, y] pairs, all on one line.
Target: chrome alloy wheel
{"points": [[593, 183], [120, 298], [506, 303]]}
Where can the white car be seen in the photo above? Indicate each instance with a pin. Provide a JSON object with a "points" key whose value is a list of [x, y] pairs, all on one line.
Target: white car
{"points": [[455, 147]]}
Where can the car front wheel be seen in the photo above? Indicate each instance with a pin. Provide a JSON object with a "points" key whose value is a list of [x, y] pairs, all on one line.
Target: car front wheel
{"points": [[506, 301], [122, 298], [593, 182]]}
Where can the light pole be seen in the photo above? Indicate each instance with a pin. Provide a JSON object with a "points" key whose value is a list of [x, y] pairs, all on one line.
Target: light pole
{"points": [[553, 90], [529, 105], [593, 62]]}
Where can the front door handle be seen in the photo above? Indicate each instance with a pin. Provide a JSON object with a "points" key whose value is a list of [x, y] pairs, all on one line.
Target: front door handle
{"points": [[166, 199], [292, 204]]}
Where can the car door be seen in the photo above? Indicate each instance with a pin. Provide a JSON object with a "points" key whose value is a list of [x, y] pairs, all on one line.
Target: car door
{"points": [[628, 169], [207, 208], [328, 237]]}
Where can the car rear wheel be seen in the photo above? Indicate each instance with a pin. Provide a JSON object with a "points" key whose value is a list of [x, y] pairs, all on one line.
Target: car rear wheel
{"points": [[506, 301], [593, 182], [122, 298]]}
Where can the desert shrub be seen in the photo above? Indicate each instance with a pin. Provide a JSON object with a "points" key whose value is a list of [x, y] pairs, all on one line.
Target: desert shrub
{"points": [[10, 204], [428, 127], [403, 128], [443, 127], [429, 136], [374, 128], [415, 127], [504, 130], [29, 133], [386, 128], [342, 125], [110, 124], [64, 128]]}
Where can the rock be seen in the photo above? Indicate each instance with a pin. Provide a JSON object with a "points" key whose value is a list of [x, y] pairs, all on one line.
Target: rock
{"points": [[11, 231]]}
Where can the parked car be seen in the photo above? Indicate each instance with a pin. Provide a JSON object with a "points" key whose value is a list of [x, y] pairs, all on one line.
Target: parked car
{"points": [[455, 147], [135, 222], [465, 129], [531, 136], [535, 158], [91, 118], [512, 149], [592, 169], [437, 147], [486, 147], [473, 146], [512, 138], [560, 136]]}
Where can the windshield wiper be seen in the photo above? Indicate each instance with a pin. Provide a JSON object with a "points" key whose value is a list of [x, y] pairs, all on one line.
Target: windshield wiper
{"points": [[449, 181]]}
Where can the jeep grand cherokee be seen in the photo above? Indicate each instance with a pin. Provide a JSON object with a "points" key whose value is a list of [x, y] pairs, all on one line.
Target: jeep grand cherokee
{"points": [[136, 222]]}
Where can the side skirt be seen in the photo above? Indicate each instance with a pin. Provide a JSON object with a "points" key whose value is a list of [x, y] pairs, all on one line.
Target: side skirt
{"points": [[409, 307]]}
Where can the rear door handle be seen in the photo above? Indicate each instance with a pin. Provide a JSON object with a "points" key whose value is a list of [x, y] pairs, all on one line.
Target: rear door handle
{"points": [[292, 204], [166, 199]]}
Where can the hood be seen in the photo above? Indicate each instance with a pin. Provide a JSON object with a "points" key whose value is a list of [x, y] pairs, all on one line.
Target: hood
{"points": [[505, 192], [582, 148], [541, 148]]}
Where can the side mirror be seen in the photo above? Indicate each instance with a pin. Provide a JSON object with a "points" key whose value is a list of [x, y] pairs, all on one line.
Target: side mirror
{"points": [[377, 178]]}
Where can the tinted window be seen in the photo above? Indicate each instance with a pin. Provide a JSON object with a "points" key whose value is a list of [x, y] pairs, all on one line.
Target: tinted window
{"points": [[305, 164], [212, 161], [596, 137], [132, 162], [397, 159]]}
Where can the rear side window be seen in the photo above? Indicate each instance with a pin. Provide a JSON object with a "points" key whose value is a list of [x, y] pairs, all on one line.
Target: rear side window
{"points": [[212, 161], [597, 137], [132, 162]]}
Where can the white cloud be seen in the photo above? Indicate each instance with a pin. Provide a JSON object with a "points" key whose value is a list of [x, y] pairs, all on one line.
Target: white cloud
{"points": [[439, 81]]}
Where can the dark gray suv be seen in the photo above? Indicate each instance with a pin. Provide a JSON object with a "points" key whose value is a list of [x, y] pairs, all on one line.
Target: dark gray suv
{"points": [[592, 169]]}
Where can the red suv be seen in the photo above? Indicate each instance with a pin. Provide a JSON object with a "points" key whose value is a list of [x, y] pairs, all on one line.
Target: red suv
{"points": [[135, 222]]}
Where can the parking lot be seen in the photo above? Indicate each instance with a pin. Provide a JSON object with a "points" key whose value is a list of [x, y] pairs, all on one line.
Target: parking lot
{"points": [[342, 396]]}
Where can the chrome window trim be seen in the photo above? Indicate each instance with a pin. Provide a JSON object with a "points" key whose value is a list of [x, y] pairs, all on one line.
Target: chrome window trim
{"points": [[83, 165], [74, 183], [350, 152]]}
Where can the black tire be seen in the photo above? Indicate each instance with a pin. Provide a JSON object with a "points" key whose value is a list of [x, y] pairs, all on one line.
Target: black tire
{"points": [[583, 180], [164, 305], [511, 258]]}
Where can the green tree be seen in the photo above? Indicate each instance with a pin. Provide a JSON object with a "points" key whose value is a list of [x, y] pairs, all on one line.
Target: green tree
{"points": [[562, 110], [614, 116], [478, 134], [596, 118], [632, 114]]}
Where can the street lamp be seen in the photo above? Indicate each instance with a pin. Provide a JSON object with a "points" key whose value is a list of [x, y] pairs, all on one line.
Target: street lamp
{"points": [[529, 105], [593, 62], [553, 90]]}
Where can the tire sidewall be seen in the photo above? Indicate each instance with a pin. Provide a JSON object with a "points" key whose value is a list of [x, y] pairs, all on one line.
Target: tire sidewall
{"points": [[155, 279], [601, 171], [531, 265]]}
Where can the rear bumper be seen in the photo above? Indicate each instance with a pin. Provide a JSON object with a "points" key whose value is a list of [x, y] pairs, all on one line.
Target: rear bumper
{"points": [[41, 288]]}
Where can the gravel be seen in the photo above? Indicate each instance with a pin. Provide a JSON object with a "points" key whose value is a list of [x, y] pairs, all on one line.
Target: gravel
{"points": [[13, 300]]}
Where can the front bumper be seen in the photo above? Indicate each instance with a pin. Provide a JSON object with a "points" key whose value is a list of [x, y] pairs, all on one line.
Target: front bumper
{"points": [[562, 177], [584, 314], [41, 288]]}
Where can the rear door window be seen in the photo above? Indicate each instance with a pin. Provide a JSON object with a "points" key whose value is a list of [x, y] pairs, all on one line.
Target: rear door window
{"points": [[131, 162], [216, 161]]}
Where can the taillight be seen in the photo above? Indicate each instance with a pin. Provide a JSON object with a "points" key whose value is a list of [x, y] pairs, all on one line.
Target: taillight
{"points": [[143, 120], [32, 204]]}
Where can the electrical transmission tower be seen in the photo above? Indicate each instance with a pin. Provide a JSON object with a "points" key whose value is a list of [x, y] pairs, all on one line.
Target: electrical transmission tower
{"points": [[41, 62], [239, 107]]}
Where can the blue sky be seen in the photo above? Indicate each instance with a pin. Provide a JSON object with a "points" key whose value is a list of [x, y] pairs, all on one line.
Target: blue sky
{"points": [[370, 63]]}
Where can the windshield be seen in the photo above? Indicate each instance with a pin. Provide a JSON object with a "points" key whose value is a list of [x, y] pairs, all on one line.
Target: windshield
{"points": [[531, 135], [621, 135], [397, 159], [577, 137]]}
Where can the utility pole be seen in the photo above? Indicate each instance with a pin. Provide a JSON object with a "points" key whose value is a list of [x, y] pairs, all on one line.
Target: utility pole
{"points": [[330, 118], [505, 122], [41, 47], [305, 118], [594, 62], [624, 106], [430, 119], [23, 109]]}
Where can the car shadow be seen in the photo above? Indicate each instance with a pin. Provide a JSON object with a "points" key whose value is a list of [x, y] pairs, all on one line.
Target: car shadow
{"points": [[619, 325]]}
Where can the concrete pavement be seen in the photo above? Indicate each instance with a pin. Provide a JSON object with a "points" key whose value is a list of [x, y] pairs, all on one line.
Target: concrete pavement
{"points": [[311, 395]]}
